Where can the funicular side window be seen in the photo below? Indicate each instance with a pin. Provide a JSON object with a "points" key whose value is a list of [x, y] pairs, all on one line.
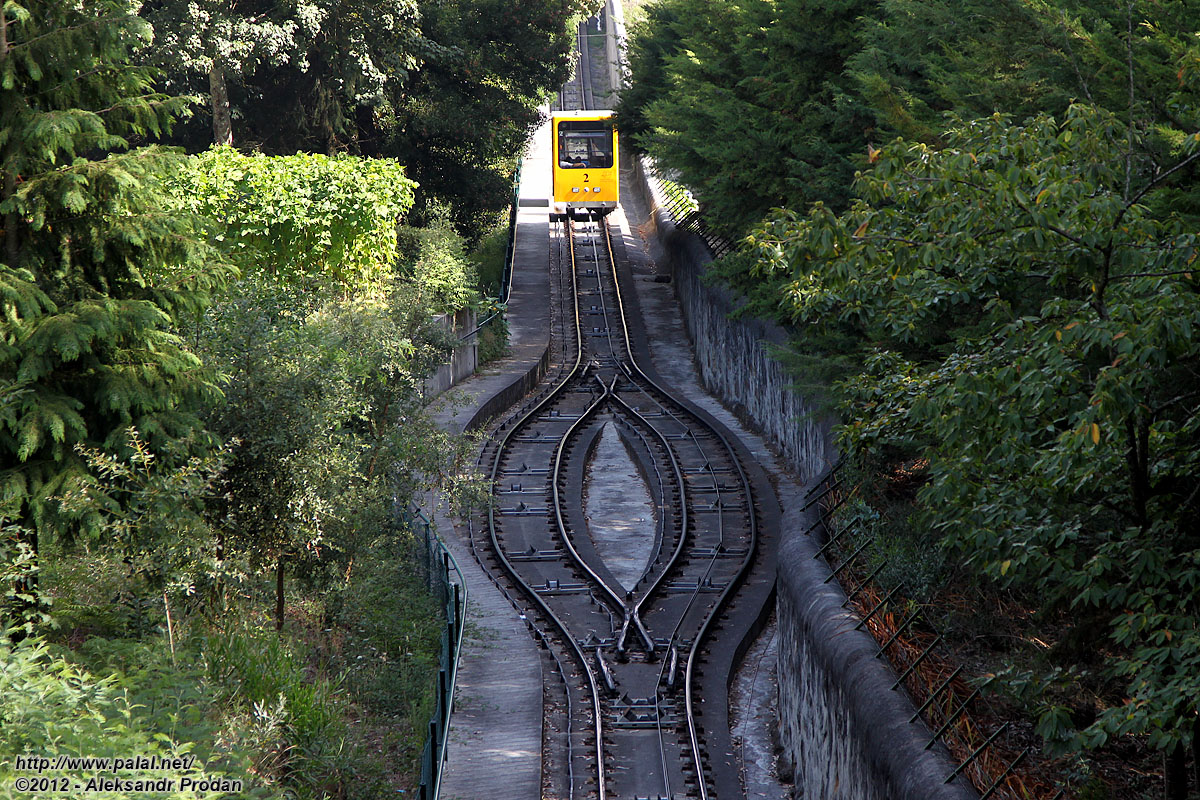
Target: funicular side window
{"points": [[585, 144]]}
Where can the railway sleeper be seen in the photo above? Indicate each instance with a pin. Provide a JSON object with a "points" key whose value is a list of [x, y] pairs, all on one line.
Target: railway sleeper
{"points": [[522, 510], [719, 507], [533, 554], [557, 588], [684, 586], [720, 551]]}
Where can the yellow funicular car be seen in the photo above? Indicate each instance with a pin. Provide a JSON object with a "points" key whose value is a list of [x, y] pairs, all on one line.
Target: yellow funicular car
{"points": [[585, 163]]}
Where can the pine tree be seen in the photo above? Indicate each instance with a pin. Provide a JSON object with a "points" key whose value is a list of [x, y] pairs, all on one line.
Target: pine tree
{"points": [[94, 267]]}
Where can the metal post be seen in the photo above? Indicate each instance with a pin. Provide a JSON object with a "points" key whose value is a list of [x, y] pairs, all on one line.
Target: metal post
{"points": [[832, 470], [865, 582], [935, 693], [1007, 771], [435, 765], [917, 662], [821, 496], [896, 634], [958, 713], [846, 563], [880, 605], [833, 538], [976, 752]]}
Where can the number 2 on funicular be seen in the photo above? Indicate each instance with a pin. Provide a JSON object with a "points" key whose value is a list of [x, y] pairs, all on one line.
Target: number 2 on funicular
{"points": [[585, 177]]}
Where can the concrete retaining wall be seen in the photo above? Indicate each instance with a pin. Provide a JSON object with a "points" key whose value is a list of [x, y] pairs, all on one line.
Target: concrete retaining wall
{"points": [[733, 356], [462, 361], [843, 728]]}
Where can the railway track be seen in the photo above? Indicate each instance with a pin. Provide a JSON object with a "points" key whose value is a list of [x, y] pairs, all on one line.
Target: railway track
{"points": [[635, 694], [578, 92], [623, 716]]}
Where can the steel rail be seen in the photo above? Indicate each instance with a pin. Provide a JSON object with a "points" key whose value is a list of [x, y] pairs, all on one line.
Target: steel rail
{"points": [[587, 97], [684, 506], [663, 512], [679, 481], [684, 518], [508, 566], [630, 614], [649, 593], [559, 452], [689, 675], [715, 451]]}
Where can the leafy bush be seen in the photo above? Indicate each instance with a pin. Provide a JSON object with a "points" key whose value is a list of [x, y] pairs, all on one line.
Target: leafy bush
{"points": [[391, 660], [311, 220], [298, 723], [488, 258], [52, 707]]}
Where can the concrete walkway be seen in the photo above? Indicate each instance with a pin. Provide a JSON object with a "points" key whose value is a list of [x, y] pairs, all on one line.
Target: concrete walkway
{"points": [[495, 742], [495, 746]]}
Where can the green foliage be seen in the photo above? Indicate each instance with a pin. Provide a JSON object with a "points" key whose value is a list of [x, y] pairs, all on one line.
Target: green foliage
{"points": [[95, 270], [1022, 58], [198, 37], [1020, 276], [488, 259], [260, 668], [52, 707], [390, 665], [434, 269], [19, 568], [492, 340], [292, 70], [758, 104], [310, 220], [324, 413], [467, 112], [292, 703], [153, 518], [747, 103], [449, 87]]}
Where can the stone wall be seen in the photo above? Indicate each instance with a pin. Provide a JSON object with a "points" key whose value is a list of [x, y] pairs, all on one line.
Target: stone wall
{"points": [[843, 728], [733, 357]]}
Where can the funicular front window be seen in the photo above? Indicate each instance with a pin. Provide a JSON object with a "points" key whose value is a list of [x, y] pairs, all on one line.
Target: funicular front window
{"points": [[584, 144]]}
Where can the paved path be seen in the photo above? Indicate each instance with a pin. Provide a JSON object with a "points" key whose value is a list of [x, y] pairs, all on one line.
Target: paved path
{"points": [[495, 747], [495, 744]]}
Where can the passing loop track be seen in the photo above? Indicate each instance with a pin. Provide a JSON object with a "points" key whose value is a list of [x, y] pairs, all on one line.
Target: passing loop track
{"points": [[624, 712]]}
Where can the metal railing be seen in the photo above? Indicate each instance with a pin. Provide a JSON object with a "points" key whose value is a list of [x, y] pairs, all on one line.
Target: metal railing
{"points": [[943, 707], [685, 211], [510, 256], [437, 563]]}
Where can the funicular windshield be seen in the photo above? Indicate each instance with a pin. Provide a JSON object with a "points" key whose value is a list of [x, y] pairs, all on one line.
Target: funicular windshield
{"points": [[585, 144]]}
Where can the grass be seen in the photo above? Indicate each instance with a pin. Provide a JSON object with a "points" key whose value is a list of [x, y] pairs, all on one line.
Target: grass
{"points": [[335, 705]]}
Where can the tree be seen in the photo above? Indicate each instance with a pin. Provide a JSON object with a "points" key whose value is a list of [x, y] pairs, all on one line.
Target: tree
{"points": [[336, 76], [756, 112], [219, 39], [467, 113], [96, 270], [1027, 323], [324, 344], [920, 60], [449, 88], [760, 104]]}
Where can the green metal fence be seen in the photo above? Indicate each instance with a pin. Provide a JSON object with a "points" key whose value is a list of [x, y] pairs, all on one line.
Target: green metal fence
{"points": [[445, 581]]}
